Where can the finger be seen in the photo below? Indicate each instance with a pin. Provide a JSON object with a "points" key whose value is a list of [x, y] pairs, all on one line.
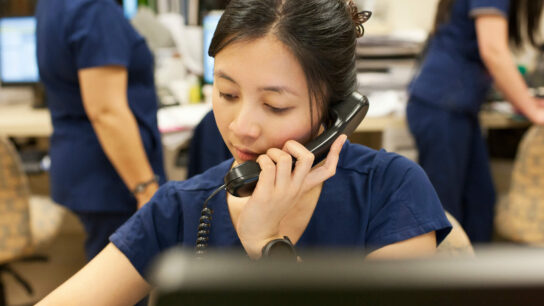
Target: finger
{"points": [[267, 176], [284, 163], [321, 173], [304, 160]]}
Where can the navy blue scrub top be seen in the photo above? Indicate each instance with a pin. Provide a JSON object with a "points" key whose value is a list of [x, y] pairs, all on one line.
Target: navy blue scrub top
{"points": [[78, 34], [453, 76], [374, 199]]}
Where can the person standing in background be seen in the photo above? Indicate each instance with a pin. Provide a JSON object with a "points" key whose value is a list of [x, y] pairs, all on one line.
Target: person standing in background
{"points": [[468, 50], [106, 153]]}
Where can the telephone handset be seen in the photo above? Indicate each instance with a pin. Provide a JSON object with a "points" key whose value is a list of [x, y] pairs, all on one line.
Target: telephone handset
{"points": [[241, 180]]}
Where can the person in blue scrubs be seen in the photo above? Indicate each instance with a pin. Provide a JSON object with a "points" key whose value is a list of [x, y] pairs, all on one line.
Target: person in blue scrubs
{"points": [[106, 154], [468, 50], [273, 87]]}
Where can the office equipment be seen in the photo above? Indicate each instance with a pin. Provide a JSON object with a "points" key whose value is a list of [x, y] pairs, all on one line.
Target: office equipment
{"points": [[130, 7], [497, 276], [18, 61], [209, 23], [157, 36], [387, 62]]}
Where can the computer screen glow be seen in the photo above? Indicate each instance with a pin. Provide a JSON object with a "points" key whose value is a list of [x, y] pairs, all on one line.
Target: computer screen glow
{"points": [[18, 61], [130, 8], [209, 23]]}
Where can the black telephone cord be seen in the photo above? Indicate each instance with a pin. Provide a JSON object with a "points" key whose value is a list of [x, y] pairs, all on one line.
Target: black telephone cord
{"points": [[202, 236]]}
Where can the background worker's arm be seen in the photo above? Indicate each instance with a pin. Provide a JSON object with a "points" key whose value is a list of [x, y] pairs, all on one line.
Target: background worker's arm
{"points": [[492, 32], [104, 93]]}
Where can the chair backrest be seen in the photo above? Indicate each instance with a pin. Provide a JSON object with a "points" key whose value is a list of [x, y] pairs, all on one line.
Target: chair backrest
{"points": [[520, 216], [15, 234], [457, 242]]}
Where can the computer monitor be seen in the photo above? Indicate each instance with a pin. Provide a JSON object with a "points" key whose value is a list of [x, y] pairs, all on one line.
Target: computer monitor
{"points": [[209, 23], [130, 8], [494, 277], [18, 60]]}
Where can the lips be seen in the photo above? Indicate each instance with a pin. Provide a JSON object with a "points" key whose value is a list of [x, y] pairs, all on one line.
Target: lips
{"points": [[244, 154]]}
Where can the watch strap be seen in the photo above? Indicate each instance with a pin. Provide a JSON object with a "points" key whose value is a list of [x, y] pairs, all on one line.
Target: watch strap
{"points": [[142, 186]]}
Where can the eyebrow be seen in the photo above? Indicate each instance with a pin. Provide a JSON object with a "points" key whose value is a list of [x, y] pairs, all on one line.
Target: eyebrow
{"points": [[276, 89]]}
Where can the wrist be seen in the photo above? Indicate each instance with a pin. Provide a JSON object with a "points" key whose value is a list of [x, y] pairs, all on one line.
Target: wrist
{"points": [[143, 187], [148, 192], [281, 248], [254, 248]]}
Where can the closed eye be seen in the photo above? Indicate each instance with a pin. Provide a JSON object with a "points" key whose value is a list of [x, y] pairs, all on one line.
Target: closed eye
{"points": [[277, 110], [228, 97]]}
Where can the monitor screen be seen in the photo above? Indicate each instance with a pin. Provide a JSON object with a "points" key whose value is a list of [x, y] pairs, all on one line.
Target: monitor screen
{"points": [[18, 61], [130, 8], [209, 23]]}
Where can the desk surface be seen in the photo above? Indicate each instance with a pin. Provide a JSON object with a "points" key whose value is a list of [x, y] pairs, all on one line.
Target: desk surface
{"points": [[21, 120], [25, 121]]}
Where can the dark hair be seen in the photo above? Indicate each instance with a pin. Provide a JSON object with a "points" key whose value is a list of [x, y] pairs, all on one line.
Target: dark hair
{"points": [[320, 34], [522, 14]]}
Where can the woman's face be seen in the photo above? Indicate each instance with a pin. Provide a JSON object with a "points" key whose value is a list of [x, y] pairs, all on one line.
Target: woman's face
{"points": [[260, 97]]}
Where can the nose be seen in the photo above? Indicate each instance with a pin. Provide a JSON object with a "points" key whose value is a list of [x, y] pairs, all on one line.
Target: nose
{"points": [[246, 123]]}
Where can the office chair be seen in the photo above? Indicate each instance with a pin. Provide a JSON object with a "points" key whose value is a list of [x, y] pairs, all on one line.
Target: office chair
{"points": [[26, 222], [457, 242], [520, 215]]}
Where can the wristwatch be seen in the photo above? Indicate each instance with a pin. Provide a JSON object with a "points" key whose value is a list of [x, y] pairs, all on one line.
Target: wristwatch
{"points": [[279, 248], [142, 186]]}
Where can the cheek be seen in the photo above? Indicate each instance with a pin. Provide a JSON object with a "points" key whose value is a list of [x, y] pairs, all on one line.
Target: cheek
{"points": [[220, 113], [296, 129]]}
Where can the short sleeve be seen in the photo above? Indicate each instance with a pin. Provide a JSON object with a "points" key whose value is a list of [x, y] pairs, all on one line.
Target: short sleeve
{"points": [[489, 7], [152, 229], [99, 35], [406, 205]]}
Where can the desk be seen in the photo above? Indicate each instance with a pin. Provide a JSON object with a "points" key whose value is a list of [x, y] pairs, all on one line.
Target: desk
{"points": [[25, 121], [488, 120], [22, 120]]}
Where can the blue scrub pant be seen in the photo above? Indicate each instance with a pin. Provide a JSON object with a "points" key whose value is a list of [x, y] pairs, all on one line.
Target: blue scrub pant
{"points": [[453, 153], [98, 227]]}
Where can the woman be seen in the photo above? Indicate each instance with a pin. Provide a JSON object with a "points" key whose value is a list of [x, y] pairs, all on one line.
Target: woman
{"points": [[106, 154], [469, 50], [279, 65]]}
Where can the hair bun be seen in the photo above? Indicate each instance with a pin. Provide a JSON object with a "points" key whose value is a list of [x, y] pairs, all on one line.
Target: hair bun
{"points": [[358, 18]]}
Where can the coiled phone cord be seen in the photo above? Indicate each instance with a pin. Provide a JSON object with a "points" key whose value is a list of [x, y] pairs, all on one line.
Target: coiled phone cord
{"points": [[203, 233]]}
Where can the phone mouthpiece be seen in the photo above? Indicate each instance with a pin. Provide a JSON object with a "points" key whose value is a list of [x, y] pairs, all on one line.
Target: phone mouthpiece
{"points": [[241, 180]]}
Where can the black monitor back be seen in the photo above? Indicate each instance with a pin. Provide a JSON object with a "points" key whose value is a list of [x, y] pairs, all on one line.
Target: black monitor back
{"points": [[494, 277]]}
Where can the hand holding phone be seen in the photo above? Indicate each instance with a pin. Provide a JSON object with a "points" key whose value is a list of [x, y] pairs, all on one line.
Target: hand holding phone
{"points": [[241, 180], [284, 192]]}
